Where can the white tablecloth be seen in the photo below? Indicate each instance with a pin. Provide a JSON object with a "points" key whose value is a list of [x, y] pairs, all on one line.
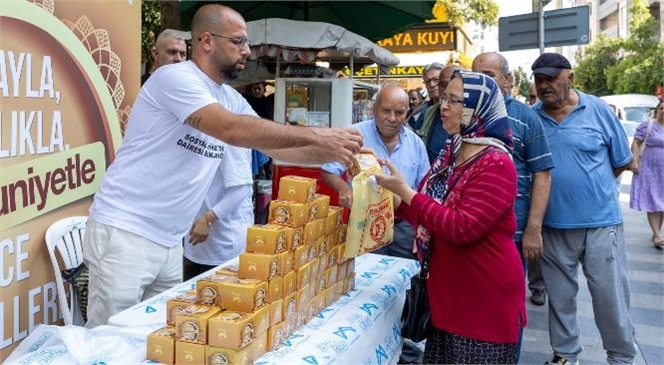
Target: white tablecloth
{"points": [[361, 327]]}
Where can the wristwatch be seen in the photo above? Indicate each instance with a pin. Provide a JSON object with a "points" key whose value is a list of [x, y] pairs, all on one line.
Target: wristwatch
{"points": [[208, 221]]}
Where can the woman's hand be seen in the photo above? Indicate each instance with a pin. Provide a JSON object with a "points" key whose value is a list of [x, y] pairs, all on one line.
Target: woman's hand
{"points": [[395, 183]]}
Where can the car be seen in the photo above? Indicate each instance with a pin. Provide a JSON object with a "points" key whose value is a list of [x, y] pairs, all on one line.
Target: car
{"points": [[632, 107], [630, 129]]}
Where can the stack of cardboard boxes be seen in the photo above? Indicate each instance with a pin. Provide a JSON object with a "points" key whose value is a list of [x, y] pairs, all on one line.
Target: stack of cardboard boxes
{"points": [[293, 267]]}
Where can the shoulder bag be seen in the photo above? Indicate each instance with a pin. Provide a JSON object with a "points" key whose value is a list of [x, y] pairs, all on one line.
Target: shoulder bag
{"points": [[642, 147]]}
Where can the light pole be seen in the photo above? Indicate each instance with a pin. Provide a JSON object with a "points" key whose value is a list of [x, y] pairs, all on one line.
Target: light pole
{"points": [[538, 7]]}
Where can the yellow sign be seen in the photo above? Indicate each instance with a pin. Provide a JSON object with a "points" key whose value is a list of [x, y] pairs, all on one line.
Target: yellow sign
{"points": [[436, 38], [399, 71]]}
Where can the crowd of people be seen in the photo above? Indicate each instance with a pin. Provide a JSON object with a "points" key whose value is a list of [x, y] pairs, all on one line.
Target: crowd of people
{"points": [[493, 189]]}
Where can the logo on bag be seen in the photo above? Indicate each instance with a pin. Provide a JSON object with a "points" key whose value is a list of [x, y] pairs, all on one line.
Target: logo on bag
{"points": [[378, 229]]}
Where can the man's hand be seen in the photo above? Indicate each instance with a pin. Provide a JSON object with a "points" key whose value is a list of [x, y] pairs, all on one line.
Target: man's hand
{"points": [[199, 230], [346, 196], [337, 144], [531, 239]]}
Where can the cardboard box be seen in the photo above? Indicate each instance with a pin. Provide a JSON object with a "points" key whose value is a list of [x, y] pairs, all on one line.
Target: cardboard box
{"points": [[233, 330], [268, 239], [331, 276], [229, 269], [302, 298], [275, 289], [300, 256], [321, 284], [286, 261], [340, 256], [334, 220], [363, 161], [161, 345], [208, 289], [262, 319], [341, 234], [315, 271], [297, 239], [189, 353], [177, 304], [244, 295], [289, 311], [288, 213], [297, 188], [331, 294], [302, 276], [259, 347], [276, 336], [290, 283], [312, 231], [350, 266], [349, 283], [320, 207], [276, 312], [259, 266], [223, 356], [192, 324], [341, 271], [332, 257]]}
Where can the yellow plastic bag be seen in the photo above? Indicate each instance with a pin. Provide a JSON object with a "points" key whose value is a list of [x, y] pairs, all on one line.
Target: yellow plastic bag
{"points": [[371, 220]]}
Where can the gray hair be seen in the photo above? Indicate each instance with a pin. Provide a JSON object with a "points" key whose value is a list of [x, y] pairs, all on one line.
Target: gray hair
{"points": [[172, 33], [433, 66]]}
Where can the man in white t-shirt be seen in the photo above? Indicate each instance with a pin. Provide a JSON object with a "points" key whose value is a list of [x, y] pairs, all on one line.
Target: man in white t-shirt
{"points": [[220, 231], [173, 145]]}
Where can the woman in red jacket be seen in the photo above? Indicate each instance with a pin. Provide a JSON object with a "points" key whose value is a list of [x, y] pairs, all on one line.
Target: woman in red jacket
{"points": [[463, 211]]}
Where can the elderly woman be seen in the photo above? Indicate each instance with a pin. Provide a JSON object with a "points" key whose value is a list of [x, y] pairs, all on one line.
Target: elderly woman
{"points": [[463, 211]]}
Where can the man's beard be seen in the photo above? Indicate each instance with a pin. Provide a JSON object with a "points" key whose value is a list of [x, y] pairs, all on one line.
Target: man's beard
{"points": [[231, 73]]}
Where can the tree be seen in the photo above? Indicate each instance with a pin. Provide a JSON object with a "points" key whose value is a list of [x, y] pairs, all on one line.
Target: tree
{"points": [[631, 65], [459, 12], [522, 83], [150, 27]]}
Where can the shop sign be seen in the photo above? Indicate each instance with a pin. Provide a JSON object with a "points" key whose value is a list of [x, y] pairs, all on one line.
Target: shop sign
{"points": [[421, 39], [399, 71]]}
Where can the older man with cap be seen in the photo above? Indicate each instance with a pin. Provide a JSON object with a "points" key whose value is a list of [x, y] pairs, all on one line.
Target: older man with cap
{"points": [[583, 222]]}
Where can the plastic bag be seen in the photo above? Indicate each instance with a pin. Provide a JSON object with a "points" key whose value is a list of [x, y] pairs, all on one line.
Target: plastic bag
{"points": [[371, 220]]}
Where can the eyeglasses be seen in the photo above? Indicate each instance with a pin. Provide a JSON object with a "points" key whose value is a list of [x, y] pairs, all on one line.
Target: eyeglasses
{"points": [[434, 79], [240, 42], [451, 101]]}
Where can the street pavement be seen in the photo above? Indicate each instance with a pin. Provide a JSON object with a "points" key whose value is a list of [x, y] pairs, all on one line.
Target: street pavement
{"points": [[646, 274]]}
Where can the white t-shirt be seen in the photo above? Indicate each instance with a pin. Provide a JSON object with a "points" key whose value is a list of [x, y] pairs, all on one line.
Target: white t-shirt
{"points": [[230, 198], [164, 167]]}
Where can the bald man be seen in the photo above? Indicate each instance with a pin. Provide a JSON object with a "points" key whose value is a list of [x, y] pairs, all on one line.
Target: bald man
{"points": [[170, 47], [180, 126]]}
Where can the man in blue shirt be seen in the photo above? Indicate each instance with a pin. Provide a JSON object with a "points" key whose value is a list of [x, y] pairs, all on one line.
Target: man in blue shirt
{"points": [[583, 221], [388, 137], [532, 159]]}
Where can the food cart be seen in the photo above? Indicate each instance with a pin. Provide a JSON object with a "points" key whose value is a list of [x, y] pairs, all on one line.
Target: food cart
{"points": [[308, 95]]}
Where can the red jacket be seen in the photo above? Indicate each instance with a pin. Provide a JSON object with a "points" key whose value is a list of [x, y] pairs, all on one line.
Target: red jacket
{"points": [[476, 282]]}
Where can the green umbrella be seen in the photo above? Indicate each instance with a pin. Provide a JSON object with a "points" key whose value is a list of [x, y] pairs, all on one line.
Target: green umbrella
{"points": [[374, 20]]}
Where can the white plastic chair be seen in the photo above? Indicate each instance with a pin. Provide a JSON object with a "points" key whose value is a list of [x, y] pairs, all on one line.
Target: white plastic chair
{"points": [[66, 236]]}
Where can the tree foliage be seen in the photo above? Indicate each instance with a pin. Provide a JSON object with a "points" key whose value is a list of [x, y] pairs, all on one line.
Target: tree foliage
{"points": [[150, 27], [629, 65], [459, 12], [521, 82]]}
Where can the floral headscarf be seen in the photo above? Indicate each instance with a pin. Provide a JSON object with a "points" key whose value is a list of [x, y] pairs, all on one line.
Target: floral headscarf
{"points": [[484, 121]]}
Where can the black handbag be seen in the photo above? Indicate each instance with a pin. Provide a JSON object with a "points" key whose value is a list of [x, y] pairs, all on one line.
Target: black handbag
{"points": [[416, 316]]}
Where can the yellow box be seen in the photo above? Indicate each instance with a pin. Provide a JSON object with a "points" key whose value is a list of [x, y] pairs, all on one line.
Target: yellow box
{"points": [[192, 324], [340, 256], [302, 297], [311, 231], [311, 310], [233, 330], [289, 311], [208, 289], [244, 295], [301, 256], [297, 188], [315, 271], [275, 289], [259, 266], [349, 283], [161, 345], [288, 213], [341, 270], [319, 299], [286, 262], [350, 266], [361, 162], [276, 336], [267, 238], [297, 238], [189, 353], [290, 283], [276, 310], [223, 356], [319, 207], [334, 220], [177, 304], [321, 284], [303, 276], [262, 319], [341, 234], [229, 269], [313, 252], [331, 276], [331, 295], [332, 257], [259, 347]]}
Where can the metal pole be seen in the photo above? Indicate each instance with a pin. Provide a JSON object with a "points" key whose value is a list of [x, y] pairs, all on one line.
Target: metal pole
{"points": [[541, 26]]}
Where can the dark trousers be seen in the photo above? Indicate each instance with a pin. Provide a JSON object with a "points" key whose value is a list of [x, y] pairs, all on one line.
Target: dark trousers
{"points": [[402, 243], [191, 269]]}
